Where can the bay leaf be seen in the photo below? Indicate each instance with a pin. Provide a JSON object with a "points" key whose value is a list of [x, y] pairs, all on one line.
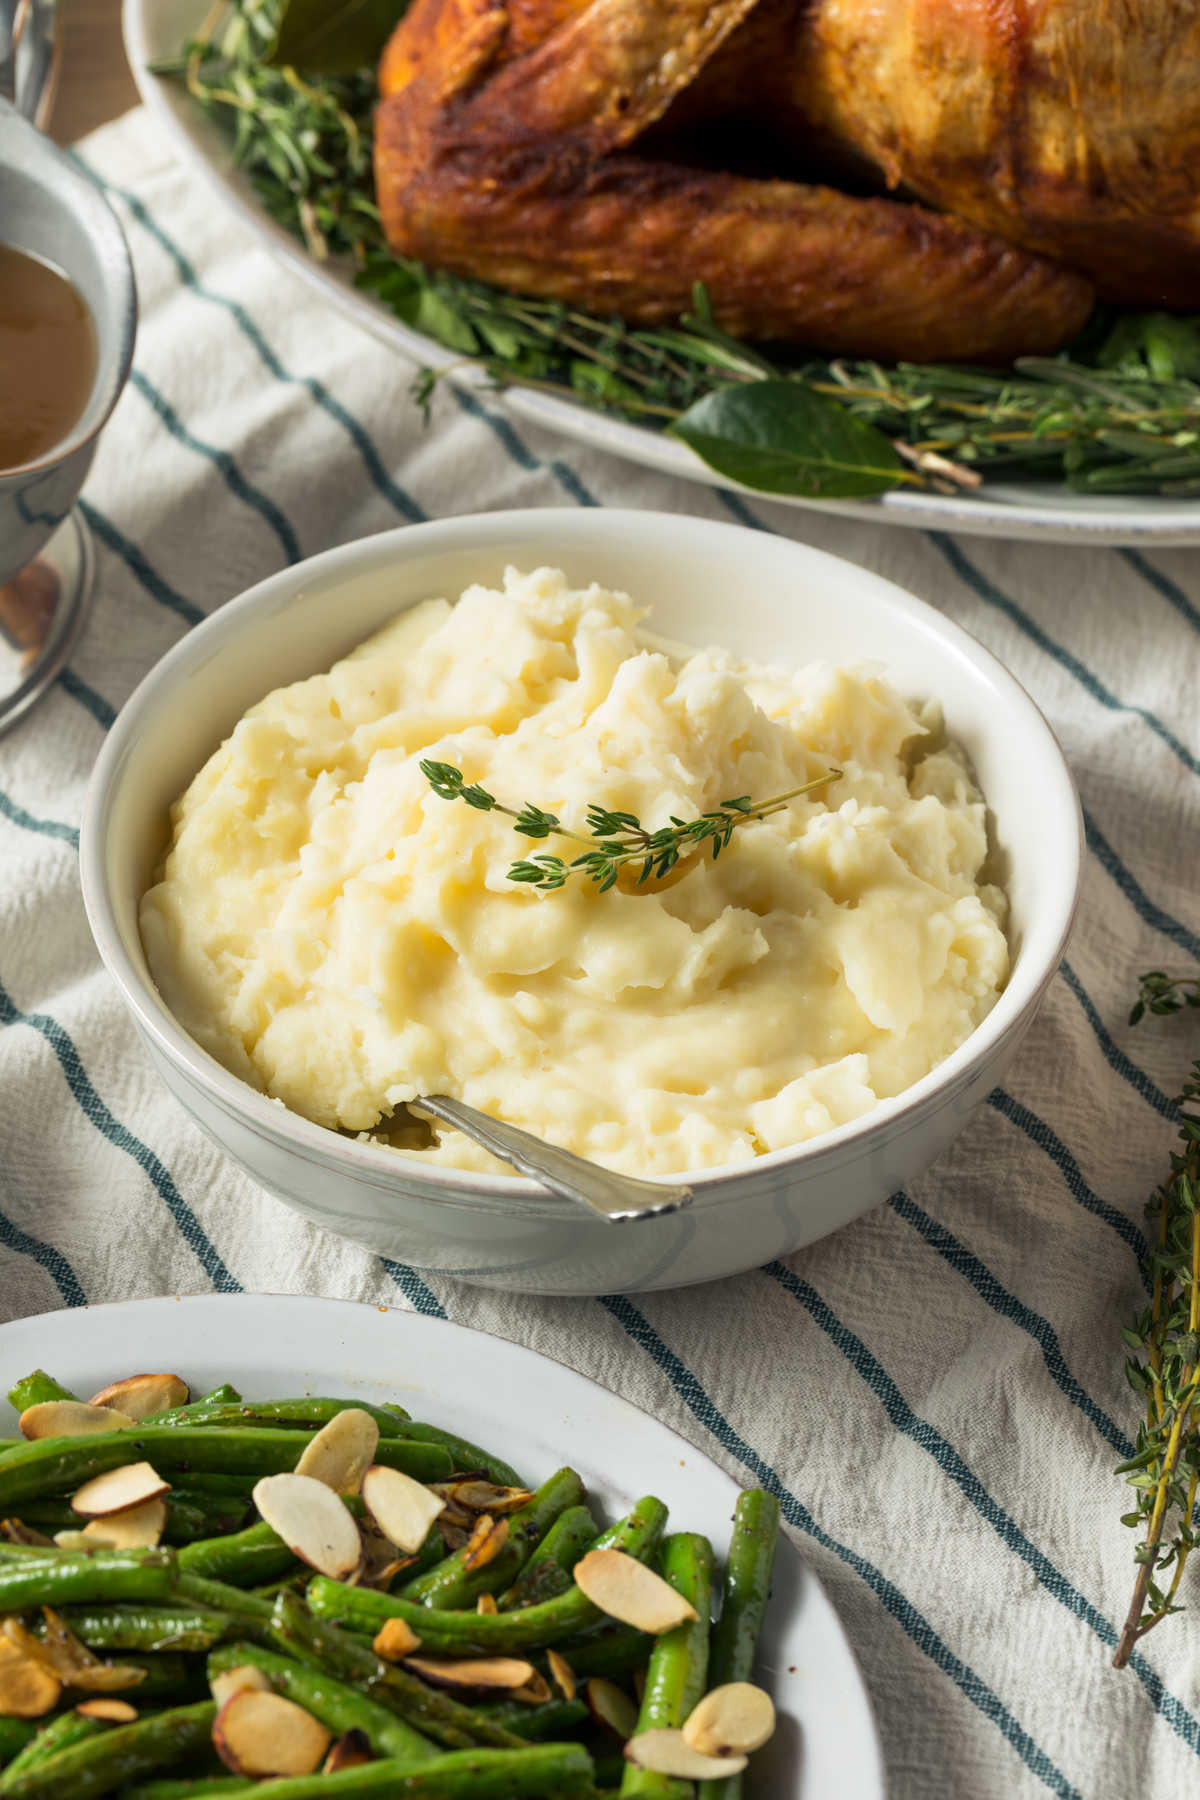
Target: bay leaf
{"points": [[316, 38], [782, 438]]}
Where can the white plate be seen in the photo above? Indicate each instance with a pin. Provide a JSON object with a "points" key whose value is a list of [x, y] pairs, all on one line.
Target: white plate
{"points": [[155, 30], [535, 1413]]}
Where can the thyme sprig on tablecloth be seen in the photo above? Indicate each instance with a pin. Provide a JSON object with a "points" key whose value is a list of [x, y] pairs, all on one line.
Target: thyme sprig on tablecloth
{"points": [[613, 839], [1164, 1470], [1118, 412]]}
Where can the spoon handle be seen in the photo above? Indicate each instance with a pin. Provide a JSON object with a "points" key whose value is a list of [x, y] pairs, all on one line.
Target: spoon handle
{"points": [[615, 1197]]}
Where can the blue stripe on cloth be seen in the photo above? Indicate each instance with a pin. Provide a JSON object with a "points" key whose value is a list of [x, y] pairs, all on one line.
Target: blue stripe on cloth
{"points": [[52, 1260], [918, 1628], [121, 1138], [422, 1299], [223, 461], [518, 449], [965, 1263], [52, 828], [1039, 1133], [735, 505], [138, 565], [1146, 909], [986, 590], [397, 496], [1114, 1056], [1171, 592], [88, 698], [920, 1432]]}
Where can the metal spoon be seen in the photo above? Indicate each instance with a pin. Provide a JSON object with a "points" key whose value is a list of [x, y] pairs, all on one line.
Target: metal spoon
{"points": [[615, 1197]]}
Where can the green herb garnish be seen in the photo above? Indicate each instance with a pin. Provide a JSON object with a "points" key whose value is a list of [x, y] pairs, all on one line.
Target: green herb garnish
{"points": [[1119, 412], [616, 838], [1164, 1470]]}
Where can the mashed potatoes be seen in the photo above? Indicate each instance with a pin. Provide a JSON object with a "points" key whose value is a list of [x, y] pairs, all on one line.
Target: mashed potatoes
{"points": [[345, 940]]}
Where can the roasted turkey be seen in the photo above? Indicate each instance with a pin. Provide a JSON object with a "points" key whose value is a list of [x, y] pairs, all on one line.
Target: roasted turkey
{"points": [[923, 179]]}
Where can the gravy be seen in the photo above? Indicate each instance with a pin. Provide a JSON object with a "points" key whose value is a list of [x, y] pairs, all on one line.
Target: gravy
{"points": [[47, 357]]}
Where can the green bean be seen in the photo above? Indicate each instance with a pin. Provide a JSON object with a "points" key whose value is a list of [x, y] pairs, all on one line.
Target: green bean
{"points": [[58, 1734], [51, 1577], [553, 1719], [177, 1627], [617, 1651], [118, 1756], [340, 1708], [14, 1735], [193, 1788], [548, 1571], [35, 1389], [168, 1676], [488, 1634], [246, 1557], [678, 1664], [50, 1465], [534, 1772], [452, 1584], [435, 1714], [184, 1521], [747, 1589], [308, 1413], [465, 1454]]}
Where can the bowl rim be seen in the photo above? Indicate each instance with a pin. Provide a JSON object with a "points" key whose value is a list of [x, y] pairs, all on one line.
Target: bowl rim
{"points": [[387, 1169]]}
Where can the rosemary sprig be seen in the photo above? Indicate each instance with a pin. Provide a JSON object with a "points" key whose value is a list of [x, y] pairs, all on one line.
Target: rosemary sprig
{"points": [[616, 838], [1164, 1470], [1119, 412]]}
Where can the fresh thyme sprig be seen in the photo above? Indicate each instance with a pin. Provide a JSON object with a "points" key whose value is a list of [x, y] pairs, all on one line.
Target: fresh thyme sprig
{"points": [[1164, 1470], [616, 838], [1161, 993]]}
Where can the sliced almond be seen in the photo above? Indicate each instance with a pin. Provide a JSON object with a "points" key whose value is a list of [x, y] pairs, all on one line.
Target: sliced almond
{"points": [[395, 1640], [17, 1532], [626, 1589], [118, 1490], [611, 1707], [731, 1720], [244, 1678], [70, 1418], [312, 1521], [143, 1395], [113, 1712], [27, 1688], [666, 1753], [473, 1672], [402, 1508], [70, 1662], [342, 1451], [266, 1734], [485, 1542], [133, 1528], [476, 1496], [535, 1692], [381, 1561], [563, 1674], [486, 1603], [349, 1751]]}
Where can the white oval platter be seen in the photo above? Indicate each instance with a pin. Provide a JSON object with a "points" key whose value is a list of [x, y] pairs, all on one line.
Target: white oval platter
{"points": [[155, 31], [532, 1411]]}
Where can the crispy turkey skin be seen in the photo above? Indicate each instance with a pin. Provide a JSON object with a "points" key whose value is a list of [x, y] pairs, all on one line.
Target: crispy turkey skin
{"points": [[507, 148]]}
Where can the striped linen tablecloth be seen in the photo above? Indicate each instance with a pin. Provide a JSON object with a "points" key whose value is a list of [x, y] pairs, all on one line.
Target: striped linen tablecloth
{"points": [[936, 1393]]}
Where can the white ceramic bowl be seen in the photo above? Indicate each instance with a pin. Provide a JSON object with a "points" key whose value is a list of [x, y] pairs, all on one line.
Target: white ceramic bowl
{"points": [[765, 598]]}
